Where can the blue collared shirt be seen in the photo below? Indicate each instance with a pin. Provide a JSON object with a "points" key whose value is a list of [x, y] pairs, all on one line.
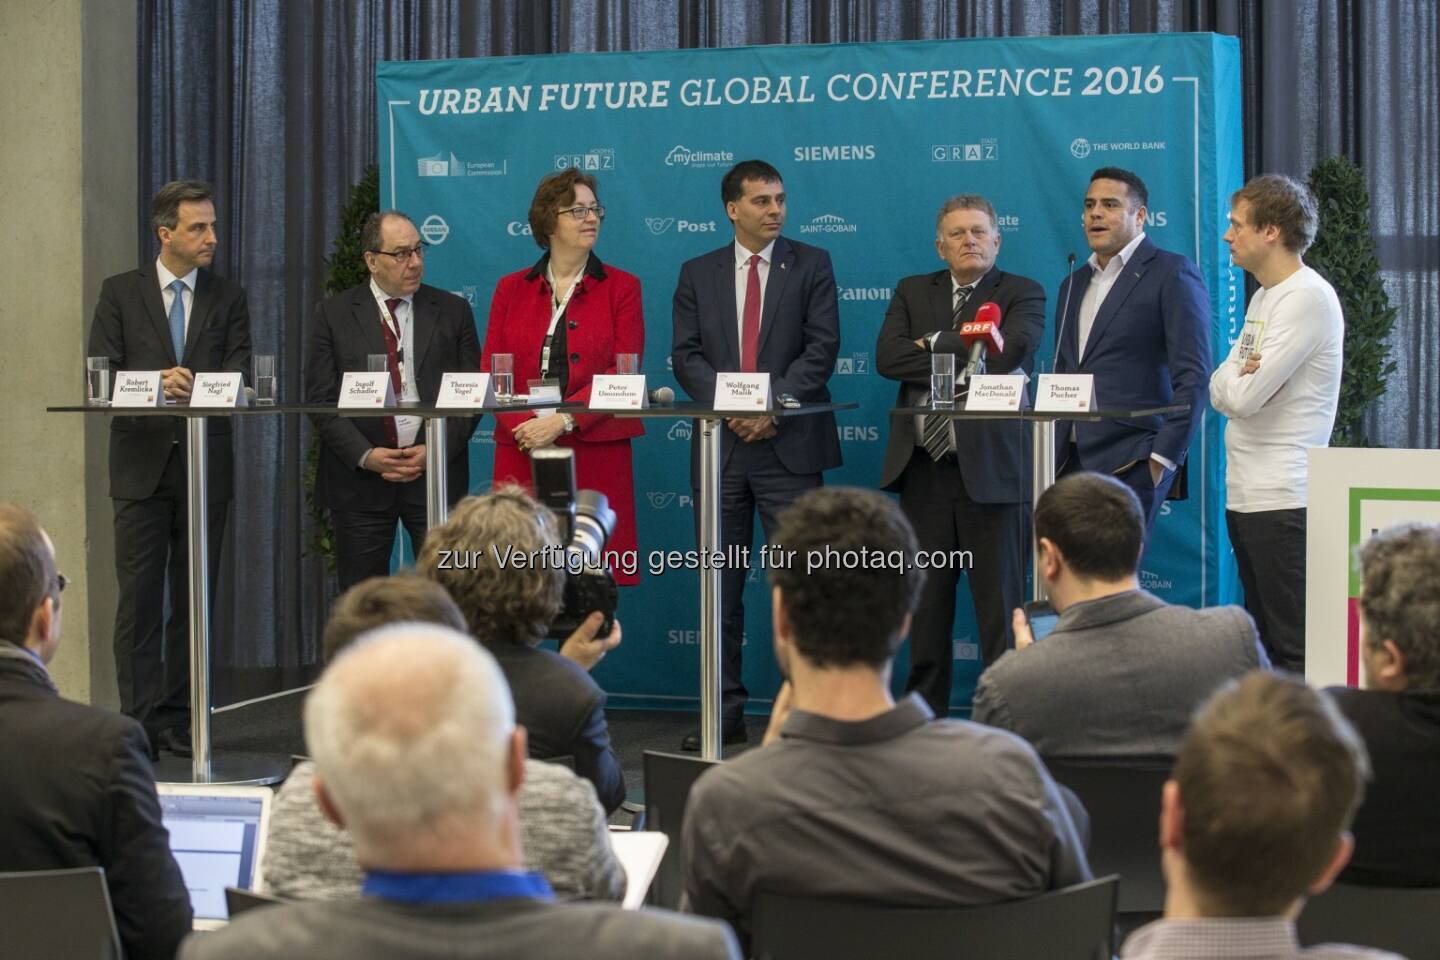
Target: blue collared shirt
{"points": [[456, 887]]}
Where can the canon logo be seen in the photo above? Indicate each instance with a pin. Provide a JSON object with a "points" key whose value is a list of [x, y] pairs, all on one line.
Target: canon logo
{"points": [[518, 228]]}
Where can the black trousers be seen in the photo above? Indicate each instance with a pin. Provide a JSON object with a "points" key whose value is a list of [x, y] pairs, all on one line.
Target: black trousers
{"points": [[152, 651], [1270, 554], [753, 480], [365, 539], [934, 497]]}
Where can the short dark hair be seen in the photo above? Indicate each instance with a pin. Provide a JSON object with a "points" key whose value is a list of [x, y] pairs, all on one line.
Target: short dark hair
{"points": [[1132, 182], [1400, 598], [846, 613], [732, 185], [165, 208], [381, 601], [1096, 522], [555, 192], [1276, 200], [370, 231], [1270, 776], [27, 571]]}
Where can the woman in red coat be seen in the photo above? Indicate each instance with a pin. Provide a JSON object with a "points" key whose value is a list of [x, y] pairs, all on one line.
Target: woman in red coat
{"points": [[566, 318]]}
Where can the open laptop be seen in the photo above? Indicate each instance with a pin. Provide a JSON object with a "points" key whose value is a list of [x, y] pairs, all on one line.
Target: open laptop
{"points": [[217, 835]]}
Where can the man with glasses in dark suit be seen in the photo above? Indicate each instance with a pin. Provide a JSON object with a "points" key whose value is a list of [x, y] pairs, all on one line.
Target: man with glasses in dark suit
{"points": [[369, 466]]}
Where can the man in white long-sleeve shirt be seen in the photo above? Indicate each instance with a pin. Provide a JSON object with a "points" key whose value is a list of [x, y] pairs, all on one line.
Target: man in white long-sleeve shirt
{"points": [[1279, 386]]}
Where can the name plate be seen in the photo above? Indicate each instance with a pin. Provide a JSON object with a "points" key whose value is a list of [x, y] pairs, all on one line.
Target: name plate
{"points": [[138, 388], [543, 392], [996, 392], [611, 391], [742, 392], [366, 391], [465, 390], [1065, 393], [217, 390]]}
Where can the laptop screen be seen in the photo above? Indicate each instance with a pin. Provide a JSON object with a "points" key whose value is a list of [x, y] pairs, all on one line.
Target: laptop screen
{"points": [[217, 836]]}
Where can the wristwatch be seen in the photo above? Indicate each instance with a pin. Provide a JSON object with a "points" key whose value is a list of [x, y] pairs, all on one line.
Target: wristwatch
{"points": [[569, 422]]}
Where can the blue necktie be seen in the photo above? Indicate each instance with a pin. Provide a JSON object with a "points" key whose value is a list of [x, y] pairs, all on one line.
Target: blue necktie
{"points": [[177, 320]]}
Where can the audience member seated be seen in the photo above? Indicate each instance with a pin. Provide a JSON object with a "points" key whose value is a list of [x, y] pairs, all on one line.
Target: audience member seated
{"points": [[509, 606], [563, 829], [1397, 830], [76, 787], [1122, 671], [1254, 821], [852, 795], [417, 754]]}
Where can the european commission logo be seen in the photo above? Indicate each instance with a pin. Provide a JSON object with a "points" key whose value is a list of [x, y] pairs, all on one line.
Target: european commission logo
{"points": [[593, 160], [443, 165], [986, 149]]}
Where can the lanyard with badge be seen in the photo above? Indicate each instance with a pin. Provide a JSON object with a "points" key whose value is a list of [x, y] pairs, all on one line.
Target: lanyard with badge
{"points": [[392, 322], [1250, 336], [557, 310]]}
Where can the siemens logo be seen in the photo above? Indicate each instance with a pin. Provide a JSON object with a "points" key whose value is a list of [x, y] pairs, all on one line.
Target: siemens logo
{"points": [[847, 151], [1155, 218], [858, 434]]}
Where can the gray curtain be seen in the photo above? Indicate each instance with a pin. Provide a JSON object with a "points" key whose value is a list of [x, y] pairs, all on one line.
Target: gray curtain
{"points": [[273, 101]]}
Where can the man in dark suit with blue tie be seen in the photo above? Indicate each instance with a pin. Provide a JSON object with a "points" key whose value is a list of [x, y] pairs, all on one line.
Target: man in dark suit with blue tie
{"points": [[761, 304], [179, 318], [1138, 318]]}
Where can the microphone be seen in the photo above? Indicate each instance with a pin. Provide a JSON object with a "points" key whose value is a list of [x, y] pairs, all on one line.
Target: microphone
{"points": [[1065, 309], [249, 394], [662, 395], [982, 335]]}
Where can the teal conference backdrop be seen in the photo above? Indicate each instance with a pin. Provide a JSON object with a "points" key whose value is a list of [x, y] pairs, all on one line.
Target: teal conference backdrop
{"points": [[870, 139]]}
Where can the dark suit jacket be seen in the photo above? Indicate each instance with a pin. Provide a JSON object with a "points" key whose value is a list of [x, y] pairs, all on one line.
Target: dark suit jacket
{"points": [[799, 340], [79, 792], [1149, 347], [1397, 828], [994, 455], [563, 710], [132, 329], [474, 930], [344, 332]]}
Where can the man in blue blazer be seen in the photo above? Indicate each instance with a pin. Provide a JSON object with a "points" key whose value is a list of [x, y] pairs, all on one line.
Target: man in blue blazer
{"points": [[1138, 318], [762, 304]]}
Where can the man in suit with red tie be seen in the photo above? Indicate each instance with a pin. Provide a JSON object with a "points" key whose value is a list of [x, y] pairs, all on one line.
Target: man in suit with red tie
{"points": [[964, 484], [369, 467], [760, 304], [177, 317]]}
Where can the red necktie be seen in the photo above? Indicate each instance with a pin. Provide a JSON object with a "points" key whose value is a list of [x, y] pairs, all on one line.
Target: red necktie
{"points": [[392, 355], [750, 328]]}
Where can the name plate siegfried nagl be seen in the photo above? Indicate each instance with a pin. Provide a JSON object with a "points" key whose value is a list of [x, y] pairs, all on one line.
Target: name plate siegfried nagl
{"points": [[138, 388], [366, 391], [1003, 392], [612, 391], [742, 392], [218, 390], [464, 390], [1065, 393]]}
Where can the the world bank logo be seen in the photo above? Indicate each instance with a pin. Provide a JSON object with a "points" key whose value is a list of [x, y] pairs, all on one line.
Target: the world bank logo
{"points": [[659, 225], [435, 229], [1079, 148]]}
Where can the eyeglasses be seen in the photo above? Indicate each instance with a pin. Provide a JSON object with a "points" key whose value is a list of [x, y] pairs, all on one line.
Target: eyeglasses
{"points": [[583, 213], [61, 582], [403, 256]]}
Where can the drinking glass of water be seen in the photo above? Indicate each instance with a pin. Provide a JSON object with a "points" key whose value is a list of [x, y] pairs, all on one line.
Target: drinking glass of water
{"points": [[942, 380], [264, 379], [502, 370], [97, 381]]}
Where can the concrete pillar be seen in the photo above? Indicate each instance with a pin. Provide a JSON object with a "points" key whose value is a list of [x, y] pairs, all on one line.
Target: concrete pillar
{"points": [[69, 169]]}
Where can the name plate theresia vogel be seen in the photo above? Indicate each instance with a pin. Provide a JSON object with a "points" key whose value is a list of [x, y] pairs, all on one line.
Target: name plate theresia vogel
{"points": [[1002, 392], [1065, 393], [746, 392], [366, 390], [613, 391], [218, 390], [464, 390], [138, 388]]}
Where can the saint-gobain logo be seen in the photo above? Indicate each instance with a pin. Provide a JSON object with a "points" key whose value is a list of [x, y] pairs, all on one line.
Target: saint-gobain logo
{"points": [[679, 430], [828, 223], [1079, 148], [435, 229], [660, 500], [659, 225]]}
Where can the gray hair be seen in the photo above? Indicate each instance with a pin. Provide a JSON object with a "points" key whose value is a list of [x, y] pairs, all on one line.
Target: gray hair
{"points": [[1400, 598], [410, 731], [966, 201], [370, 232]]}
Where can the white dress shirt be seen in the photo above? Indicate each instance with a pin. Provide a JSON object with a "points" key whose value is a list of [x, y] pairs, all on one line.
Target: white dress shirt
{"points": [[742, 278], [406, 428], [167, 296]]}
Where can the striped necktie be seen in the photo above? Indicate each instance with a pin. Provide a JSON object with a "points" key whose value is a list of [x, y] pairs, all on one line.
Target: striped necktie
{"points": [[937, 429]]}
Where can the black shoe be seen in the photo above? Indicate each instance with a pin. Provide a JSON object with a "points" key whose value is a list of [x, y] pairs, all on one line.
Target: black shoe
{"points": [[173, 741], [730, 734]]}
